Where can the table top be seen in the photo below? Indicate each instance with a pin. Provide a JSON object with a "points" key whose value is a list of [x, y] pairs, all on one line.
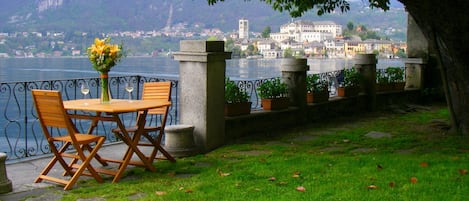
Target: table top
{"points": [[116, 105]]}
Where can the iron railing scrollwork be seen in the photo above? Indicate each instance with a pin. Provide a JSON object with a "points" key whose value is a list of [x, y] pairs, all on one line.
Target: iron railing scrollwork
{"points": [[250, 86]]}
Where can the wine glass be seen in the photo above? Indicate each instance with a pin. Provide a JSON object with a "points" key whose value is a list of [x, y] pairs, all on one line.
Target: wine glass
{"points": [[129, 87], [85, 89]]}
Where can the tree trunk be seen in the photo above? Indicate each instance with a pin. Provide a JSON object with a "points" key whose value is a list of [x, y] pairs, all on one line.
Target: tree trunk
{"points": [[445, 25]]}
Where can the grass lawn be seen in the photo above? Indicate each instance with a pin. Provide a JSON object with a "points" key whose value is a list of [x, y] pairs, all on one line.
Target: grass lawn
{"points": [[331, 160]]}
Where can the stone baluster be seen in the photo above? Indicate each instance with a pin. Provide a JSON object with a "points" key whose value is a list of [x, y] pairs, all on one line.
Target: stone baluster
{"points": [[5, 183]]}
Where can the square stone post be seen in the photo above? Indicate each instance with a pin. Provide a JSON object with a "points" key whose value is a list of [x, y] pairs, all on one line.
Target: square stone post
{"points": [[294, 75], [202, 87], [366, 65], [414, 69]]}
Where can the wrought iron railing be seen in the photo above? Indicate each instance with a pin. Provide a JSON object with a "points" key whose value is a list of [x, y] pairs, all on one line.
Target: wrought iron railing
{"points": [[20, 134], [250, 86], [384, 74]]}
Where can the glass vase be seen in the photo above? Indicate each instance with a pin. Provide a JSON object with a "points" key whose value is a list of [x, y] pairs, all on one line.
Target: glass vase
{"points": [[105, 92]]}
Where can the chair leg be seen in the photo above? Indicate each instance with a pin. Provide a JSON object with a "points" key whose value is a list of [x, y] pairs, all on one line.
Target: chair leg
{"points": [[54, 160], [85, 165], [89, 148], [157, 144]]}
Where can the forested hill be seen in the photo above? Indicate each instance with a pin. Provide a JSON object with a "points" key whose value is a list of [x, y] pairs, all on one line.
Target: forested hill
{"points": [[119, 15]]}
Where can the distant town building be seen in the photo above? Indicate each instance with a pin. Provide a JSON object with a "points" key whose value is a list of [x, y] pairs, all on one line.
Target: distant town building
{"points": [[307, 31], [243, 29]]}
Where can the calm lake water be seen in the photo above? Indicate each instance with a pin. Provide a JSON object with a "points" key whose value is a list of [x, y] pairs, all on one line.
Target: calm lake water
{"points": [[32, 69]]}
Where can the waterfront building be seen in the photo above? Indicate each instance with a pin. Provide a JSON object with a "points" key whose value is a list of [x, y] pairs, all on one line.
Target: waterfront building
{"points": [[308, 31], [243, 28]]}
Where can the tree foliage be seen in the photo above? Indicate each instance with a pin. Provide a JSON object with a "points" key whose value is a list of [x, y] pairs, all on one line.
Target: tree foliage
{"points": [[361, 31], [266, 32], [297, 8]]}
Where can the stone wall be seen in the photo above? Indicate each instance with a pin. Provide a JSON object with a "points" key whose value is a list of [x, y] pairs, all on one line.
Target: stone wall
{"points": [[275, 121]]}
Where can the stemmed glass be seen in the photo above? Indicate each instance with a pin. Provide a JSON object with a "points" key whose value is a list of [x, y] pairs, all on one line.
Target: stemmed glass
{"points": [[129, 87], [85, 89]]}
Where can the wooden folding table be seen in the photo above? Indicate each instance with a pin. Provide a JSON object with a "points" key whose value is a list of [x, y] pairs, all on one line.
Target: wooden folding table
{"points": [[111, 112]]}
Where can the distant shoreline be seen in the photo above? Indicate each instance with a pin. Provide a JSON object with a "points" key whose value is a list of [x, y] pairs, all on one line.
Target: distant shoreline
{"points": [[73, 57]]}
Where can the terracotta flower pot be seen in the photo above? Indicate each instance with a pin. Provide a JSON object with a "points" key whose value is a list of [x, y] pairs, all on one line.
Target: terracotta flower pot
{"points": [[382, 87], [275, 103], [398, 86], [236, 109], [348, 91], [317, 97]]}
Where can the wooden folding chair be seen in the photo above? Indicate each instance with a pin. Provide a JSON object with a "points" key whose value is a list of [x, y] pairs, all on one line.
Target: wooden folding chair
{"points": [[52, 115], [154, 91]]}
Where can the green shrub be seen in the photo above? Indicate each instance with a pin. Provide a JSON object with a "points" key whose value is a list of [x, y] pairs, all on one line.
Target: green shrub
{"points": [[395, 74], [274, 88], [351, 78], [233, 94], [315, 84]]}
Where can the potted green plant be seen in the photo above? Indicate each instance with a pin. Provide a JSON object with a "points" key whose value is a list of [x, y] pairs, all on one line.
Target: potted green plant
{"points": [[396, 77], [317, 89], [350, 85], [382, 81], [236, 100], [273, 94]]}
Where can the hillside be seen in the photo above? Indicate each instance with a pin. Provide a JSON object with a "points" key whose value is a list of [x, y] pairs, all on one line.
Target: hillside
{"points": [[119, 15]]}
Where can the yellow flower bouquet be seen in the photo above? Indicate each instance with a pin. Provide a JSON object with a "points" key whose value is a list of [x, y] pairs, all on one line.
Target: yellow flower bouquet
{"points": [[104, 56]]}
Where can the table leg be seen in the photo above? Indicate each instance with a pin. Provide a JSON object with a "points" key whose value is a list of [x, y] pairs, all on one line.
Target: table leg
{"points": [[132, 145]]}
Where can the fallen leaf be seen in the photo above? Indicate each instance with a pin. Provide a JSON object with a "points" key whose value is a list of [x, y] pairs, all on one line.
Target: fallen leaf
{"points": [[413, 180], [463, 171], [272, 179], [188, 191], [372, 187], [392, 184], [282, 183], [160, 193], [301, 189], [223, 174], [379, 167], [296, 174], [423, 164]]}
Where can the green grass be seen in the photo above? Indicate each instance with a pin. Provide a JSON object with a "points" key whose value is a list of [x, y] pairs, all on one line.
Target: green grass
{"points": [[331, 160]]}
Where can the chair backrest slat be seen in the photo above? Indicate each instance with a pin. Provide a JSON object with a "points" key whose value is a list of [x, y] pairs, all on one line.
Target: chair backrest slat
{"points": [[157, 91], [49, 106], [51, 112]]}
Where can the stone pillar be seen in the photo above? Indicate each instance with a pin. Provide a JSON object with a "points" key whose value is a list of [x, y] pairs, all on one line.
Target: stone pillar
{"points": [[366, 65], [294, 75], [414, 69], [5, 183], [201, 85], [417, 45]]}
